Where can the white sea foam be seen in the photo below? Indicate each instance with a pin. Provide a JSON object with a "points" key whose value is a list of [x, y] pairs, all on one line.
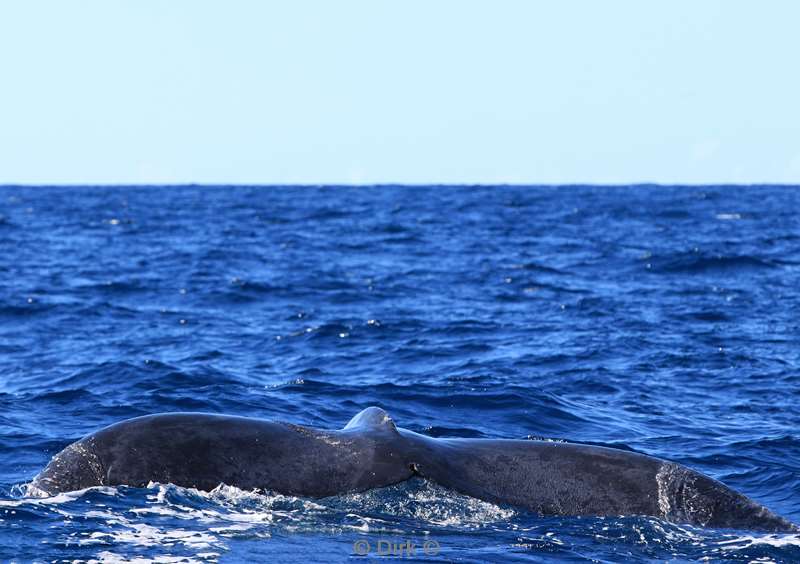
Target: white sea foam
{"points": [[776, 540], [108, 557], [429, 503], [35, 496]]}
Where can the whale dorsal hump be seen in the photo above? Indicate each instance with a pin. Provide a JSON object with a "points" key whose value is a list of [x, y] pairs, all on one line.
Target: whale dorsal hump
{"points": [[372, 418]]}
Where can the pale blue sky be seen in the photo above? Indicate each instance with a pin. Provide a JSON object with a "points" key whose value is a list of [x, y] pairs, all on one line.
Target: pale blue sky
{"points": [[299, 91]]}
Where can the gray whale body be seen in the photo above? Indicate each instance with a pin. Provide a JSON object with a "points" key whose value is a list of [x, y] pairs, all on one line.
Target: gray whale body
{"points": [[551, 478]]}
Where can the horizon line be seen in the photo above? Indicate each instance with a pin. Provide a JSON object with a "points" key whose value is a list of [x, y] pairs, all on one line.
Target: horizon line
{"points": [[395, 184]]}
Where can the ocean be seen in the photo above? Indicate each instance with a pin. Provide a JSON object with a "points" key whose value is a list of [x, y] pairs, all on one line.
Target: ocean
{"points": [[662, 319]]}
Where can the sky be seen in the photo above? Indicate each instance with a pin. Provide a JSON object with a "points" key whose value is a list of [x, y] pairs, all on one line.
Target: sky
{"points": [[373, 91]]}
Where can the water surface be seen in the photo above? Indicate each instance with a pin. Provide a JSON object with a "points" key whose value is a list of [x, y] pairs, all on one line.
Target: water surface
{"points": [[659, 319]]}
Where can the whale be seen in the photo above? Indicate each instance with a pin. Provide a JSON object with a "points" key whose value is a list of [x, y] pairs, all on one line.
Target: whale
{"points": [[202, 451]]}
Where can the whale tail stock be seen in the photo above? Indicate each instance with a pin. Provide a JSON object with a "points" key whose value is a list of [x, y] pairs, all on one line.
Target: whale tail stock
{"points": [[372, 419]]}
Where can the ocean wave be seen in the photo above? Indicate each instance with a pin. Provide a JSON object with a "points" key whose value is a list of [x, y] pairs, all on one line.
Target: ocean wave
{"points": [[697, 263]]}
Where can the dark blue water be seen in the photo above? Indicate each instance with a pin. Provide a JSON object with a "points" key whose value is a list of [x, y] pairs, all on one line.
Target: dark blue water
{"points": [[658, 319]]}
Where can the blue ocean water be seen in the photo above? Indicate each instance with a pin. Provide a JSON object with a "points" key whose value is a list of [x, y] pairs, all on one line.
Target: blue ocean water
{"points": [[659, 319]]}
